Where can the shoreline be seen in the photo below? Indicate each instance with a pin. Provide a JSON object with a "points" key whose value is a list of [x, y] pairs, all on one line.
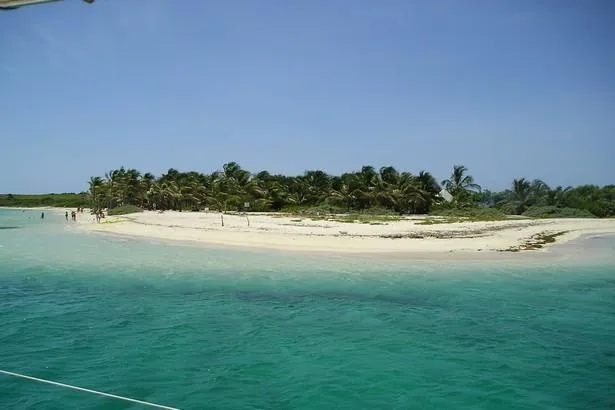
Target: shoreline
{"points": [[554, 253], [404, 239]]}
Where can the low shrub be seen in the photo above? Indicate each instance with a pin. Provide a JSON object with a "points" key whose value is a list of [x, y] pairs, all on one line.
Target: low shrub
{"points": [[124, 210], [486, 214], [508, 208], [323, 209], [555, 212]]}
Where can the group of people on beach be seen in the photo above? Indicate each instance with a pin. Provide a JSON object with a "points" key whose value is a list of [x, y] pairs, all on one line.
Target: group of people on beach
{"points": [[99, 214], [73, 215]]}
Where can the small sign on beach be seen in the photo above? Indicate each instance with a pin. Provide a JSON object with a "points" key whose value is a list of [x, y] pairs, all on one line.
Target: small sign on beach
{"points": [[446, 195]]}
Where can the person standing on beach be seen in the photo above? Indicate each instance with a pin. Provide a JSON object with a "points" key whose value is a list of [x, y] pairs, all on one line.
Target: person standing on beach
{"points": [[66, 215], [42, 215]]}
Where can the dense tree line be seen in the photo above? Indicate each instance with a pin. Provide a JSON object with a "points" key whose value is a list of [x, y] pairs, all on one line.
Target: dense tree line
{"points": [[368, 189], [67, 200], [233, 187]]}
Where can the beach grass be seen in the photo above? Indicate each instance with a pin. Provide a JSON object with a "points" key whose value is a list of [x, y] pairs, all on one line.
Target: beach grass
{"points": [[357, 218], [436, 220], [124, 210]]}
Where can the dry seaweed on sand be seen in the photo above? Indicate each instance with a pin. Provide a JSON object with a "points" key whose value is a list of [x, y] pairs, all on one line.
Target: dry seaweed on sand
{"points": [[534, 242]]}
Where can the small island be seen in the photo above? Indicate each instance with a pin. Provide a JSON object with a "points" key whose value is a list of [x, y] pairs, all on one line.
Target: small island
{"points": [[369, 211]]}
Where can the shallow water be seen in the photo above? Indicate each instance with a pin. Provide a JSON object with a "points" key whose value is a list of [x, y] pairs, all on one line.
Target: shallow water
{"points": [[219, 328]]}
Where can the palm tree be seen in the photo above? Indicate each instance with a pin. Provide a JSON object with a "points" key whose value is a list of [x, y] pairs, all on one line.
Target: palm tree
{"points": [[368, 177], [415, 196], [146, 184], [133, 189], [430, 187], [298, 191], [345, 194], [319, 185], [460, 185], [110, 180], [539, 192], [389, 175], [556, 197], [164, 195], [96, 192], [521, 191]]}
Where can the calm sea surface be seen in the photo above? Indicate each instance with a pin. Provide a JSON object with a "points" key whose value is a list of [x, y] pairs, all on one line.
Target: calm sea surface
{"points": [[201, 328]]}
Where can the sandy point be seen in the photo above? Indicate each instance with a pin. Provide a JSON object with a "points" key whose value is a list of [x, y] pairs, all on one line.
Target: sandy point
{"points": [[407, 236]]}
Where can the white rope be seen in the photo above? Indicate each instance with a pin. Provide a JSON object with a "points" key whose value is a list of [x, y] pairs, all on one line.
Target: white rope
{"points": [[68, 386]]}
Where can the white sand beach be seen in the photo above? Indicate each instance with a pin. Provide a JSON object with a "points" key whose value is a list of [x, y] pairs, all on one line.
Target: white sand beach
{"points": [[296, 233]]}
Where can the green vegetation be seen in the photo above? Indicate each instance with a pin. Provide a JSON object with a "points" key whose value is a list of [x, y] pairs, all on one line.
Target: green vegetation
{"points": [[437, 220], [314, 193], [318, 210], [461, 186], [555, 212], [358, 218], [537, 199], [447, 215], [124, 210], [66, 200], [367, 195], [479, 214]]}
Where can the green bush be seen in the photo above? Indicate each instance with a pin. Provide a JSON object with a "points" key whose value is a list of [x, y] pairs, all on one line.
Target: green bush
{"points": [[124, 210], [508, 208], [322, 209], [473, 213], [379, 211], [555, 212]]}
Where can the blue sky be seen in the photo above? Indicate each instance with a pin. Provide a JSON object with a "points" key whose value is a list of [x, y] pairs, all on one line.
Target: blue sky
{"points": [[508, 88]]}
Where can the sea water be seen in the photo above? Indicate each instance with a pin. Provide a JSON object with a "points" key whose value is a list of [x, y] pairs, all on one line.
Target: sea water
{"points": [[199, 328]]}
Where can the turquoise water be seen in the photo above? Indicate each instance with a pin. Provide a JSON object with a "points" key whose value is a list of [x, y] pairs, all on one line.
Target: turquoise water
{"points": [[215, 328]]}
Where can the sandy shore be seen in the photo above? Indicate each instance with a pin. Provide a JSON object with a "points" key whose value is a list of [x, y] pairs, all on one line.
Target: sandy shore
{"points": [[293, 233]]}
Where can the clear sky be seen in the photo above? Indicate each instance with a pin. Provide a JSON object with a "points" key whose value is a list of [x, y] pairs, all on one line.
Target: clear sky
{"points": [[509, 88]]}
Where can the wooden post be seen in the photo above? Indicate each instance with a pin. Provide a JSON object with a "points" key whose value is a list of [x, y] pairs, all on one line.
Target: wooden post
{"points": [[246, 205]]}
